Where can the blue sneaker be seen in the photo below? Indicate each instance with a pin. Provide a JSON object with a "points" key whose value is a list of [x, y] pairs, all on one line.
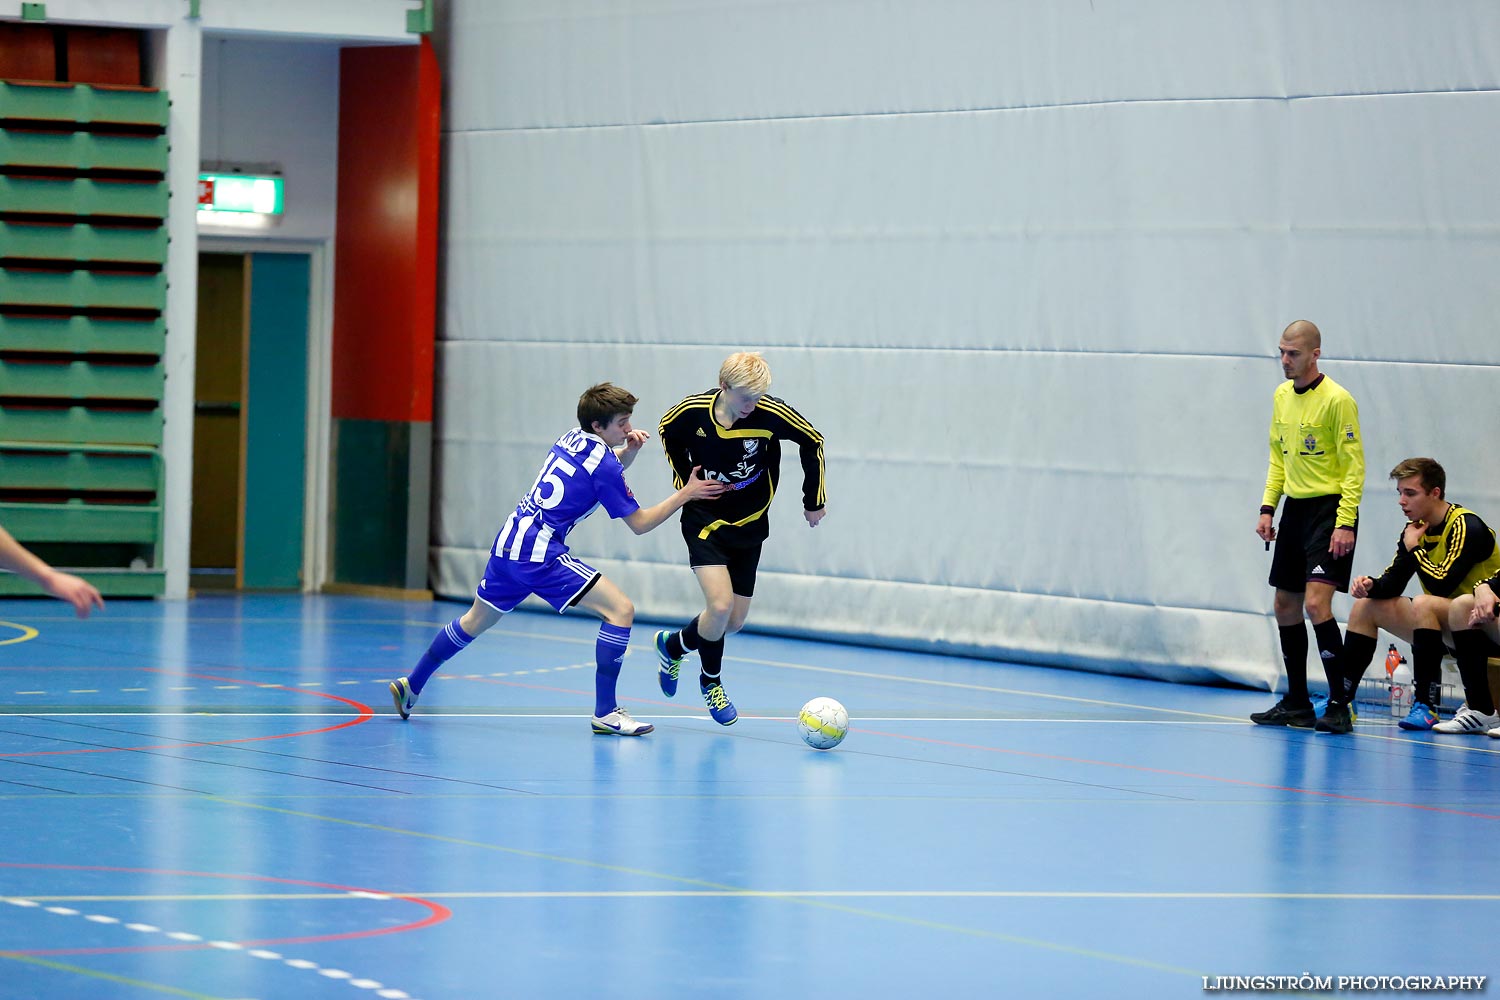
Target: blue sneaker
{"points": [[666, 674], [404, 697], [1420, 718], [719, 705]]}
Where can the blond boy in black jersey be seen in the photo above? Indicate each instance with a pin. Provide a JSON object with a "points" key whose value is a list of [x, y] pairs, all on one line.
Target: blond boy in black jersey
{"points": [[734, 433]]}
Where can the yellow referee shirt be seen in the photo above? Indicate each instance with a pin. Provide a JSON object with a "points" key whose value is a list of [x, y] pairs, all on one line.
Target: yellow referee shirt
{"points": [[1315, 447]]}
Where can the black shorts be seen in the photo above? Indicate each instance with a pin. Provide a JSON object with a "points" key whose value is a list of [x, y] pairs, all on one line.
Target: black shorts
{"points": [[740, 560], [1301, 554]]}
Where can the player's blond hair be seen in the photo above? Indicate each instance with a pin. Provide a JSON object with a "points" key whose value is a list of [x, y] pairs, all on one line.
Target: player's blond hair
{"points": [[746, 370]]}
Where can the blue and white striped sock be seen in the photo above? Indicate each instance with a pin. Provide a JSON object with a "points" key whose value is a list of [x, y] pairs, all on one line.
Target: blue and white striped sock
{"points": [[447, 642], [609, 656]]}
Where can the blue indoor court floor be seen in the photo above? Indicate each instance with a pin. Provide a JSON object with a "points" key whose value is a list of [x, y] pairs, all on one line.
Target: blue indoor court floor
{"points": [[215, 799]]}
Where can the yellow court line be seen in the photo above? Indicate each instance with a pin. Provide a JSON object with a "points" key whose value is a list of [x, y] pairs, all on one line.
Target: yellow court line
{"points": [[928, 681], [985, 687], [783, 665], [27, 633], [727, 890], [107, 977]]}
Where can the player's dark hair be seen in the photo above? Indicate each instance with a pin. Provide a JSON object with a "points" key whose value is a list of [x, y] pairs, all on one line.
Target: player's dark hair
{"points": [[602, 403], [1432, 475]]}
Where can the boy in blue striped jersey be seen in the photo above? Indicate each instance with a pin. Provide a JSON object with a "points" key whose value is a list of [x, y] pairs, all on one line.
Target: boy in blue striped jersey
{"points": [[584, 469]]}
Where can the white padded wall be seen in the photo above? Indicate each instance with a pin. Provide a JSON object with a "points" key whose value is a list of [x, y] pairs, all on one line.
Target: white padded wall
{"points": [[1023, 263]]}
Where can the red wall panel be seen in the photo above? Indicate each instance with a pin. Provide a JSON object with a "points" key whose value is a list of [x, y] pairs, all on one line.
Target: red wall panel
{"points": [[385, 245], [27, 52], [104, 55]]}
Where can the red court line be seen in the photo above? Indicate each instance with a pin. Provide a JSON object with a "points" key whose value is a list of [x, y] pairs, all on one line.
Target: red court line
{"points": [[366, 713], [1179, 774], [437, 913]]}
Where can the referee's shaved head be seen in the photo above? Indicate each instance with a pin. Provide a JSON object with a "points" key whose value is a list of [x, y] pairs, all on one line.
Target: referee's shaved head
{"points": [[1305, 333]]}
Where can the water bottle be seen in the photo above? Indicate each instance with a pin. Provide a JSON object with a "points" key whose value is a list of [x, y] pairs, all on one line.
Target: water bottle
{"points": [[1400, 693], [1400, 700]]}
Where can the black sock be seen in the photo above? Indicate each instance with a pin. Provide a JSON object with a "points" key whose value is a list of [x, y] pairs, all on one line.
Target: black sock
{"points": [[1427, 666], [1473, 649], [1359, 650], [1331, 649], [684, 640], [711, 657], [1294, 655]]}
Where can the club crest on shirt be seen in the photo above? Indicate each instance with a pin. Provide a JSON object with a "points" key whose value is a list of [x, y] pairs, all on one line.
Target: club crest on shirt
{"points": [[750, 446]]}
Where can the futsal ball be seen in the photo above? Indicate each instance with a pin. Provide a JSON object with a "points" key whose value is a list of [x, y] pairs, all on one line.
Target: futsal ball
{"points": [[824, 723]]}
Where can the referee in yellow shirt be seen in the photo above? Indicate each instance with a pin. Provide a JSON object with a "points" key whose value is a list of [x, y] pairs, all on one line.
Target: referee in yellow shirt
{"points": [[1318, 464]]}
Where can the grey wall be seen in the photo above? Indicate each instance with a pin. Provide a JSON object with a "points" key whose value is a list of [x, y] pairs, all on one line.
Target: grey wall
{"points": [[1024, 263], [277, 102]]}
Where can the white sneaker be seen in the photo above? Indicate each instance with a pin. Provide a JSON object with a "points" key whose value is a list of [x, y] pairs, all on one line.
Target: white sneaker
{"points": [[406, 699], [1468, 722], [619, 723]]}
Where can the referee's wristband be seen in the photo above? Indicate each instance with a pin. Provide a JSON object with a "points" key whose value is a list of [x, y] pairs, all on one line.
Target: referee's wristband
{"points": [[1266, 508]]}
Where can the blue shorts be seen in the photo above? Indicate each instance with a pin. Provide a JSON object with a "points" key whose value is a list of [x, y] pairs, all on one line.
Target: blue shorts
{"points": [[561, 582]]}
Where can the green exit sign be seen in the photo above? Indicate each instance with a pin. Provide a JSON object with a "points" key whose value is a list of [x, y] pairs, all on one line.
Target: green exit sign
{"points": [[245, 193]]}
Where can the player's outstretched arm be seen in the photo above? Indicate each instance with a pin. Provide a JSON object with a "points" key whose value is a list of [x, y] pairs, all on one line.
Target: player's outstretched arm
{"points": [[77, 592], [646, 518]]}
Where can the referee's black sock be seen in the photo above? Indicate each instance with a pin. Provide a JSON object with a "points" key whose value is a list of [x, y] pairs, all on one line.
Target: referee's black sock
{"points": [[711, 659], [1427, 666], [1331, 649], [1359, 650], [1294, 655], [1473, 648]]}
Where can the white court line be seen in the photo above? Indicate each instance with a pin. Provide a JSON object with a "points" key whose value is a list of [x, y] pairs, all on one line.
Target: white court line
{"points": [[787, 894], [925, 681], [32, 902], [700, 716]]}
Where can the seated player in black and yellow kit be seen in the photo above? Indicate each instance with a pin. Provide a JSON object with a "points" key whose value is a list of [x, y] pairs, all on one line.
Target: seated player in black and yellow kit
{"points": [[1450, 550]]}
